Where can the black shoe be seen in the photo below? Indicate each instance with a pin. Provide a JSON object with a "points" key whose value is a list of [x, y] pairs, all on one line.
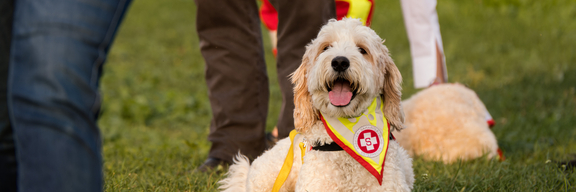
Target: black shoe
{"points": [[271, 140], [213, 164], [568, 165]]}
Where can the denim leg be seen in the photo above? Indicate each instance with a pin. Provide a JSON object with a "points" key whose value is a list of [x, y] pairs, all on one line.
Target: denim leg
{"points": [[58, 48]]}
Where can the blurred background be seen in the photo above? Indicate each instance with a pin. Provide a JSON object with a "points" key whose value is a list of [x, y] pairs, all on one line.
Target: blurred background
{"points": [[518, 55]]}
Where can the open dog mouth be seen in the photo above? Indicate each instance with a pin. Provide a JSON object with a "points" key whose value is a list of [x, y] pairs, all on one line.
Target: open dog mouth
{"points": [[341, 92]]}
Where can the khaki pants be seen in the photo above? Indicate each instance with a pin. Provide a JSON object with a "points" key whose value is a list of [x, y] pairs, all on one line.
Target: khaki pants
{"points": [[231, 44]]}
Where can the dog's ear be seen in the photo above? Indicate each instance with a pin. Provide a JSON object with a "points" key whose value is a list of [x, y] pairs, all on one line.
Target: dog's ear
{"points": [[392, 89], [304, 114]]}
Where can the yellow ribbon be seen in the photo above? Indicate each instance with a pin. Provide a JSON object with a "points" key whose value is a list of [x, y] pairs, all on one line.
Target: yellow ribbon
{"points": [[302, 151], [359, 9], [287, 166]]}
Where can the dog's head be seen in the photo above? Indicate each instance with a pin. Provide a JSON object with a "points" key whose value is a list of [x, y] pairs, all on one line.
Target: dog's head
{"points": [[342, 71]]}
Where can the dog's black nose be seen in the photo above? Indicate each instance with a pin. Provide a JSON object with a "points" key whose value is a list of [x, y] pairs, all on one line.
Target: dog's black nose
{"points": [[340, 63]]}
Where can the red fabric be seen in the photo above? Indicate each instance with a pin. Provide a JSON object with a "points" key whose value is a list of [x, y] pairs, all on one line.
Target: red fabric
{"points": [[353, 154], [501, 155], [269, 15], [369, 19], [491, 123], [342, 9]]}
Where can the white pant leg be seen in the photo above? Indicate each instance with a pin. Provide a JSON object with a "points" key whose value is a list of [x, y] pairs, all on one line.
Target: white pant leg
{"points": [[423, 29]]}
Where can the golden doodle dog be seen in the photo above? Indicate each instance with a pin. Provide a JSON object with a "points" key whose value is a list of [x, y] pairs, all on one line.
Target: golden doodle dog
{"points": [[447, 122], [347, 77]]}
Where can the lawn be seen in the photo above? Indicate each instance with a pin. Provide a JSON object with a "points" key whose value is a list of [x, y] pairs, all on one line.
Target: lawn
{"points": [[518, 55]]}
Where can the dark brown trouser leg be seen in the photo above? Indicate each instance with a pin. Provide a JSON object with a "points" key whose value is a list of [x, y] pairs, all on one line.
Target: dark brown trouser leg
{"points": [[299, 22], [8, 164], [231, 44]]}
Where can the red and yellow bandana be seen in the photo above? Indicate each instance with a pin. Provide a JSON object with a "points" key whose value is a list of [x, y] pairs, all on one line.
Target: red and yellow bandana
{"points": [[365, 138]]}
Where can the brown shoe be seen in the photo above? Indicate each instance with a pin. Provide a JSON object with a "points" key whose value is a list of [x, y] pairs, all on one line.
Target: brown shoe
{"points": [[213, 164]]}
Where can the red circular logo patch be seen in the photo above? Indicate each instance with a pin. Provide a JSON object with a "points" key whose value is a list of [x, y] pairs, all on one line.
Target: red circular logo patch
{"points": [[368, 141]]}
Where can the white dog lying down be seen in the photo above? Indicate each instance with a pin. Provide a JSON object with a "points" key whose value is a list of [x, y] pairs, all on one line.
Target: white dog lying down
{"points": [[447, 122], [347, 77]]}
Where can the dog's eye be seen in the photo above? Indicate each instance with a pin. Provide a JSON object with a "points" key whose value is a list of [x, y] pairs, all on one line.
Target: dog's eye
{"points": [[326, 48], [362, 50]]}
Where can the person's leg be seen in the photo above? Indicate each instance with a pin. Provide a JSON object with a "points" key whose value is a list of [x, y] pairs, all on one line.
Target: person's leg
{"points": [[428, 62], [58, 48], [441, 76], [298, 23], [231, 44], [7, 151]]}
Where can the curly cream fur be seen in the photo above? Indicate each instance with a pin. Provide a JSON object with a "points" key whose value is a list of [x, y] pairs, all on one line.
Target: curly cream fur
{"points": [[372, 75], [446, 122]]}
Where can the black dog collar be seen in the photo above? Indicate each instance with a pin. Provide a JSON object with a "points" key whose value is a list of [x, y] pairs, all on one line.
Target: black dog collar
{"points": [[328, 147], [335, 147]]}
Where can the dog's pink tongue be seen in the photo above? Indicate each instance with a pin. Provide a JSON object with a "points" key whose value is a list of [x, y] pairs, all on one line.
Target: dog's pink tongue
{"points": [[340, 94]]}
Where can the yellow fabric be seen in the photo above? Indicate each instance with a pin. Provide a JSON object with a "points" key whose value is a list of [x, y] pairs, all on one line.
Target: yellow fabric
{"points": [[287, 166], [348, 124], [302, 151], [372, 111], [358, 9]]}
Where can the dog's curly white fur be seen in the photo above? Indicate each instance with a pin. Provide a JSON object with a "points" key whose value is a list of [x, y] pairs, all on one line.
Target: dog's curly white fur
{"points": [[371, 73]]}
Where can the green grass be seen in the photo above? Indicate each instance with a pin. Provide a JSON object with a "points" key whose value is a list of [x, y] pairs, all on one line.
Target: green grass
{"points": [[518, 55]]}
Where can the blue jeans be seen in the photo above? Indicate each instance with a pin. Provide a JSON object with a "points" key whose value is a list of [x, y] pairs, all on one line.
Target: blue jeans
{"points": [[55, 63]]}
